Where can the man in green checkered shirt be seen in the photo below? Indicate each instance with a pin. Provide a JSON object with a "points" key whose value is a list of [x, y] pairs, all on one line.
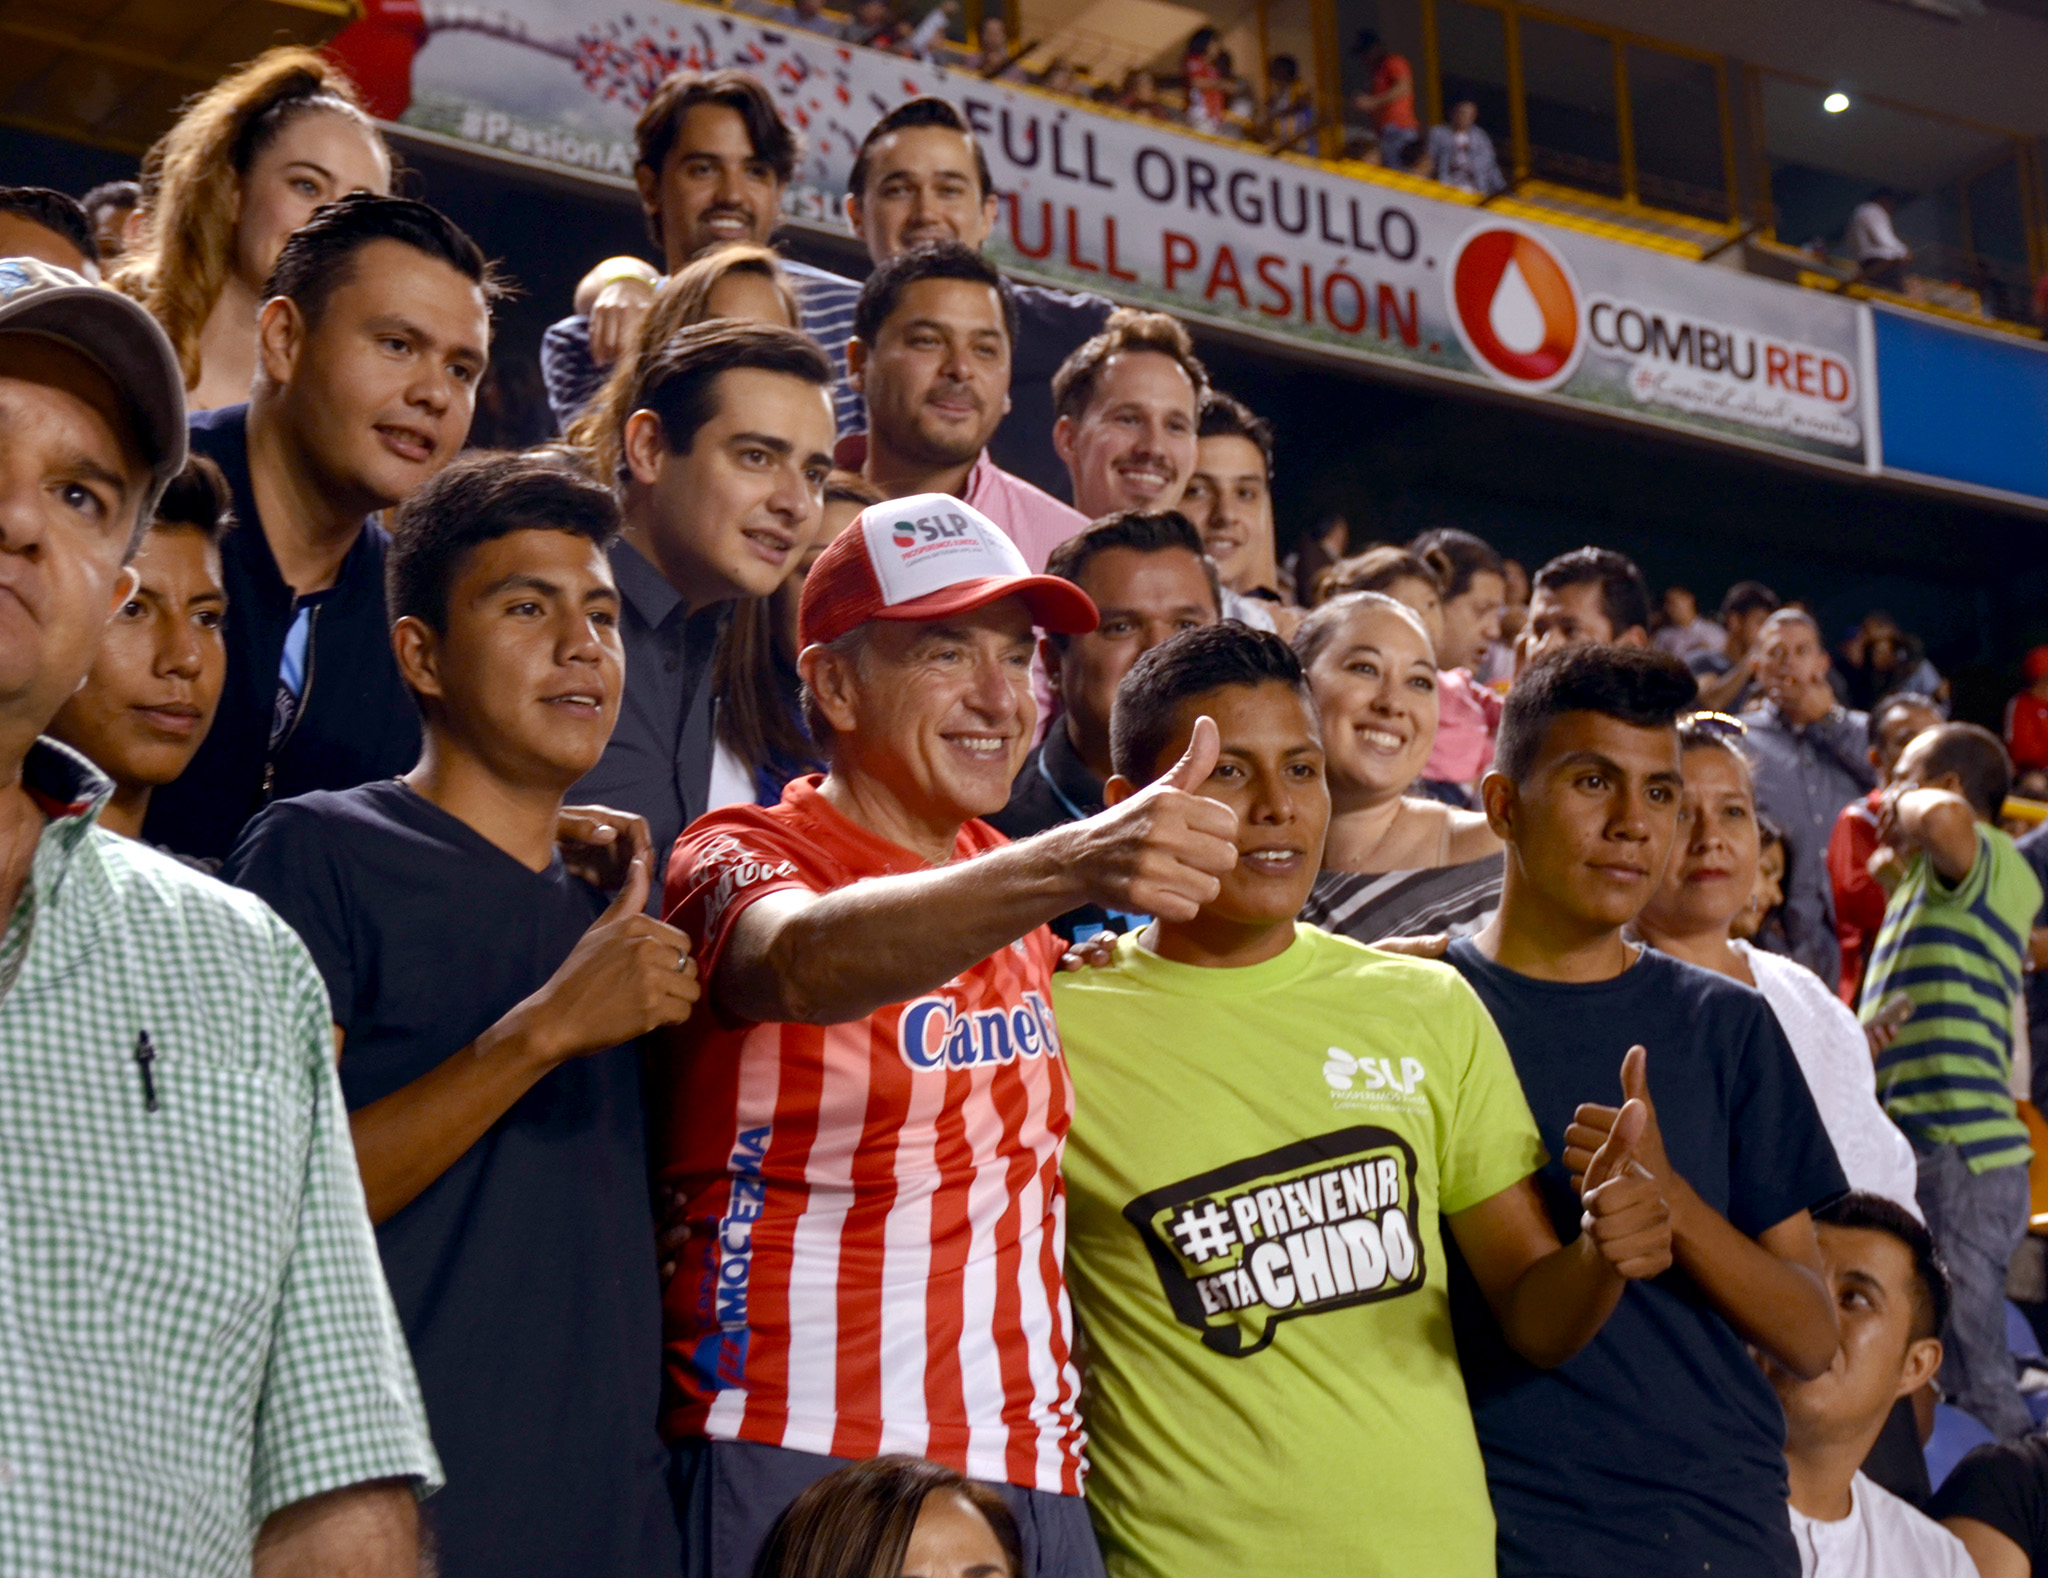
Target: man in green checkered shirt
{"points": [[200, 1369], [1954, 942]]}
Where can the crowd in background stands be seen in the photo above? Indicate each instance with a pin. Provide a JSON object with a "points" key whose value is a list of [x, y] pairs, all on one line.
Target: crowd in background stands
{"points": [[1269, 1036]]}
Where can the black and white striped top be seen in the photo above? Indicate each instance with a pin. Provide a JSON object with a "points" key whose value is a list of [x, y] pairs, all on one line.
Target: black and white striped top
{"points": [[1456, 900]]}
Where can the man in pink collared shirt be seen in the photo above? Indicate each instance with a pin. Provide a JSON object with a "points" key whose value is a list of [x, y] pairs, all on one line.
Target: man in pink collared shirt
{"points": [[930, 354]]}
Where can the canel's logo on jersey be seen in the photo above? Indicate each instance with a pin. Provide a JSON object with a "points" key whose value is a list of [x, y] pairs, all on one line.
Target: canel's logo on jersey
{"points": [[933, 1033], [1515, 306]]}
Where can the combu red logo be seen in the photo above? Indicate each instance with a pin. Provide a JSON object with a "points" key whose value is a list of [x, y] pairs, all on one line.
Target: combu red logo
{"points": [[1515, 307]]}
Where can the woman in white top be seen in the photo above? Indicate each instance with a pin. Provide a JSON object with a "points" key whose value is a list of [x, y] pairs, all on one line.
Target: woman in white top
{"points": [[1709, 880]]}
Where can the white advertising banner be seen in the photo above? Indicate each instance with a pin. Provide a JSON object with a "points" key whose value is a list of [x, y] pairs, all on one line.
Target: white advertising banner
{"points": [[1202, 227]]}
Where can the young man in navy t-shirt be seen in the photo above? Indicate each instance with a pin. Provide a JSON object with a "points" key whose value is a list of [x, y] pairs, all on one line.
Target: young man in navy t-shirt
{"points": [[485, 998], [1659, 1448]]}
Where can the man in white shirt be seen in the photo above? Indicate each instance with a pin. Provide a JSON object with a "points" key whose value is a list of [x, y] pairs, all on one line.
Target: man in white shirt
{"points": [[1874, 244], [1891, 1297]]}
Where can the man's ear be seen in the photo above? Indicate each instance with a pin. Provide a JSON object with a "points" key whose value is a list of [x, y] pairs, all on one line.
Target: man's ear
{"points": [[1923, 1359], [1063, 440], [644, 447], [857, 364], [1049, 660], [850, 206], [1497, 797], [832, 681], [1634, 636], [1117, 790], [418, 653], [280, 337]]}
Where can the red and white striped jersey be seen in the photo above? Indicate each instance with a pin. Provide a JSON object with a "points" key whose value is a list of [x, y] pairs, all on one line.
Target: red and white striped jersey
{"points": [[870, 1214]]}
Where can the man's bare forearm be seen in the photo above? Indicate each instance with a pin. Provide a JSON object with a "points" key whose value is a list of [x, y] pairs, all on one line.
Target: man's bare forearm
{"points": [[1774, 1301], [363, 1531], [830, 958], [1560, 1303]]}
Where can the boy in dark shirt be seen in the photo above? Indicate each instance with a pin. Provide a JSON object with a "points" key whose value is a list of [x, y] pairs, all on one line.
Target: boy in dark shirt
{"points": [[1659, 1448], [484, 1000]]}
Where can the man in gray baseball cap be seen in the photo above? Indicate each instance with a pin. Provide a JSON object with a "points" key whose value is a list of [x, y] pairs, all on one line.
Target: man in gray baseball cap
{"points": [[170, 1115], [124, 343]]}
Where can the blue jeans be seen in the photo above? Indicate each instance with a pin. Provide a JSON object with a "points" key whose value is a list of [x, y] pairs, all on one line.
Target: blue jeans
{"points": [[1977, 1220]]}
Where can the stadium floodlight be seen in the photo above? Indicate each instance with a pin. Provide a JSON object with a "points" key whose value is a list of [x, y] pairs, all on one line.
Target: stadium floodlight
{"points": [[1835, 102]]}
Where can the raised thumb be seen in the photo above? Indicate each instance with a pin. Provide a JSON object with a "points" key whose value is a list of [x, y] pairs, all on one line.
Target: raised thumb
{"points": [[633, 896], [1635, 1075], [1198, 761]]}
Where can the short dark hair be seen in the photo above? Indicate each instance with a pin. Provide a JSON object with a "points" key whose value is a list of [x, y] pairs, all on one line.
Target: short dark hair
{"points": [[1142, 724], [1456, 556], [678, 382], [111, 194], [1128, 329], [1377, 568], [926, 111], [884, 287], [850, 487], [1142, 532], [1978, 759], [318, 257], [478, 498], [196, 499], [1624, 596], [1898, 701], [1225, 416], [1639, 686], [1749, 597], [1865, 1212], [661, 122], [55, 211]]}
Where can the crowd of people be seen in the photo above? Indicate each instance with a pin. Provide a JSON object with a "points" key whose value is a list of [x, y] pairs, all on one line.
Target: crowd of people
{"points": [[843, 972], [1206, 92]]}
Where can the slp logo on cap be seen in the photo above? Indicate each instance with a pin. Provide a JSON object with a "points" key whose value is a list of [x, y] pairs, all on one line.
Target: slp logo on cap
{"points": [[930, 541], [1515, 307]]}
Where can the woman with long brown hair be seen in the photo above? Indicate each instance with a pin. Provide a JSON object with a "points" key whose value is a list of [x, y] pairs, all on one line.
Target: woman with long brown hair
{"points": [[762, 742], [740, 281], [246, 164]]}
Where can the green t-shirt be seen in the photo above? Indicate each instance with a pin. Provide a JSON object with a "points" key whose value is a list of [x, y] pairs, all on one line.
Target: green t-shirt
{"points": [[1254, 1176], [1958, 953]]}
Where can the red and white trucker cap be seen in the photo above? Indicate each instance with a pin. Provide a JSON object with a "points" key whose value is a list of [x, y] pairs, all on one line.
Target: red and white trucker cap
{"points": [[925, 557]]}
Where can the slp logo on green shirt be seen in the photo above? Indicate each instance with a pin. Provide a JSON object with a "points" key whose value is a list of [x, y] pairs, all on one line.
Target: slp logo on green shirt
{"points": [[1321, 1224]]}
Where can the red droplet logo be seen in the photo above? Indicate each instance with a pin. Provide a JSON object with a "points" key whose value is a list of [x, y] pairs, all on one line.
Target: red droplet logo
{"points": [[1515, 307]]}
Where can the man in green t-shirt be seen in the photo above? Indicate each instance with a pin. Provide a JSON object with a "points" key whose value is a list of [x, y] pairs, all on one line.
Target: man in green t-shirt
{"points": [[1270, 1125], [1954, 940]]}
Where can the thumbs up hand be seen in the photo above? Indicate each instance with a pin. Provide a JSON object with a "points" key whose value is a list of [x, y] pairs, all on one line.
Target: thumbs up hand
{"points": [[628, 974], [1616, 1157], [1165, 850]]}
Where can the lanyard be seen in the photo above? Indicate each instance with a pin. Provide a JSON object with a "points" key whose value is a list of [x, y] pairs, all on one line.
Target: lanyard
{"points": [[1058, 794]]}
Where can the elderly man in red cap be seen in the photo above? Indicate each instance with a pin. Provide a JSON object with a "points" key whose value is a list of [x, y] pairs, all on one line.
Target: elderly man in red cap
{"points": [[858, 1154]]}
